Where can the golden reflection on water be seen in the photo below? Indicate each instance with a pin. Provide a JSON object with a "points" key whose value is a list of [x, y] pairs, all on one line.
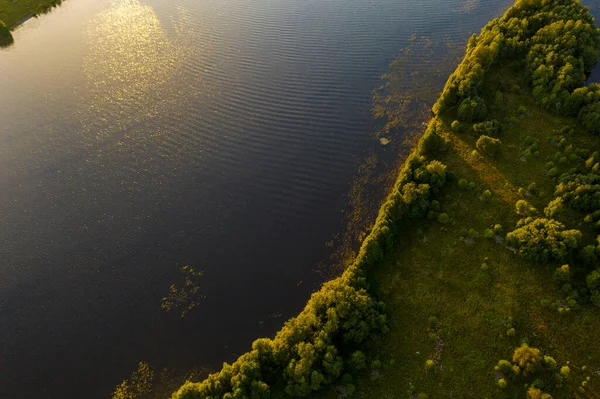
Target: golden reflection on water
{"points": [[129, 64]]}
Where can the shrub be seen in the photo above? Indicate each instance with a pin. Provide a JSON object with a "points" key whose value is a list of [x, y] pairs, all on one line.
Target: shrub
{"points": [[550, 363], [463, 184], [543, 239], [498, 229], [499, 99], [554, 208], [443, 218], [502, 383], [488, 233], [532, 188], [456, 126], [528, 359], [565, 371], [562, 274], [472, 185], [487, 195], [429, 364], [358, 361], [511, 332], [503, 366], [489, 128], [472, 109], [488, 145], [524, 208]]}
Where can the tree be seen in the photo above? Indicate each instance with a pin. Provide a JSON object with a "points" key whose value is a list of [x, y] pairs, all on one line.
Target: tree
{"points": [[543, 239], [472, 109], [488, 145], [528, 359], [589, 117]]}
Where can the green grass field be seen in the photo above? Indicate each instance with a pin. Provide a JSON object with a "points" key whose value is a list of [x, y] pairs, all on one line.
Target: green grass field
{"points": [[12, 11], [436, 273]]}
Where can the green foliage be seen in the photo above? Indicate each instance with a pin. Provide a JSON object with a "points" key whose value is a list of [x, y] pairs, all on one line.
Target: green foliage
{"points": [[579, 191], [502, 383], [489, 128], [463, 184], [472, 109], [554, 208], [431, 142], [487, 195], [358, 361], [589, 117], [528, 359], [456, 126], [444, 218], [6, 38], [524, 208], [562, 274], [488, 145], [542, 239]]}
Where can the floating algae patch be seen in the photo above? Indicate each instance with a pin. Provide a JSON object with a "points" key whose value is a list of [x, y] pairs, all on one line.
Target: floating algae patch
{"points": [[403, 103], [184, 297], [413, 81], [147, 383]]}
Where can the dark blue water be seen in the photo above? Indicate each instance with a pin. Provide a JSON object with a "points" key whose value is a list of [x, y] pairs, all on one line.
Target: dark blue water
{"points": [[138, 137]]}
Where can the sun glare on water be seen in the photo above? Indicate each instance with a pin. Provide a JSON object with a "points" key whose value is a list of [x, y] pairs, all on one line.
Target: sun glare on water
{"points": [[129, 63]]}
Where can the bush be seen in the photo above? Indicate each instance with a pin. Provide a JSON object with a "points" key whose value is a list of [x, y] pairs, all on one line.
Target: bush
{"points": [[550, 363], [463, 184], [502, 383], [487, 195], [562, 274], [554, 208], [498, 229], [528, 359], [472, 109], [488, 145], [456, 126], [503, 367], [443, 218], [524, 208], [489, 128], [358, 361], [542, 239]]}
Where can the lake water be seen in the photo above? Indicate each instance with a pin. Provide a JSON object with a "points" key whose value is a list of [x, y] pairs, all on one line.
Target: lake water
{"points": [[137, 137]]}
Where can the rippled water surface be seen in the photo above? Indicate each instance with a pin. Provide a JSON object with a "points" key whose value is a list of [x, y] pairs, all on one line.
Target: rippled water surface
{"points": [[140, 136]]}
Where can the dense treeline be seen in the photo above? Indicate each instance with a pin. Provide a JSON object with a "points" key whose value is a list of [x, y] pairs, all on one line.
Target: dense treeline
{"points": [[315, 348], [558, 45]]}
